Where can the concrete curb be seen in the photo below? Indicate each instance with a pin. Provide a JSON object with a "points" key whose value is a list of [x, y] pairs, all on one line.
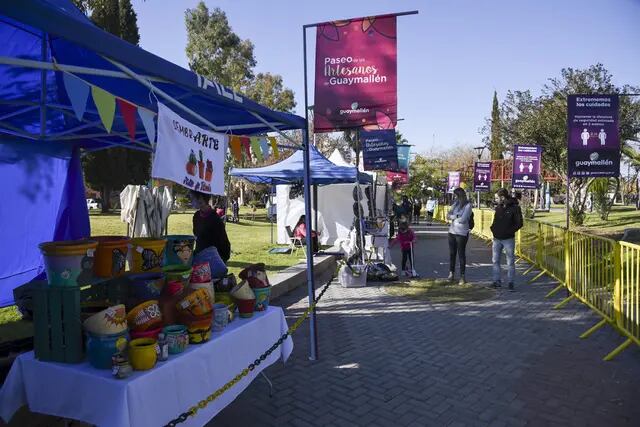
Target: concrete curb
{"points": [[293, 277]]}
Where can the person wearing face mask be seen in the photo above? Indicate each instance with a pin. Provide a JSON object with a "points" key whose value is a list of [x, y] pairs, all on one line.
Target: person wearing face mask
{"points": [[208, 227], [507, 220], [459, 217]]}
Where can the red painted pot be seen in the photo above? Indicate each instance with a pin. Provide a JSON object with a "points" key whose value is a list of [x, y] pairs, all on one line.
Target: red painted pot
{"points": [[246, 307]]}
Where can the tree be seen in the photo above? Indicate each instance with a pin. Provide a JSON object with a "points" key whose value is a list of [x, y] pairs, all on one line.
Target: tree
{"points": [[543, 121], [113, 168], [215, 51], [268, 90], [495, 145]]}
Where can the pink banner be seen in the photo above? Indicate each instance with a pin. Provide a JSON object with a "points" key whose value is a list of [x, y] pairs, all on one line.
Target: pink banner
{"points": [[356, 83]]}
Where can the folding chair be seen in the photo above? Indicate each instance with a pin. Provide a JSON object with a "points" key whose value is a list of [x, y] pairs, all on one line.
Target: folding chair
{"points": [[295, 242]]}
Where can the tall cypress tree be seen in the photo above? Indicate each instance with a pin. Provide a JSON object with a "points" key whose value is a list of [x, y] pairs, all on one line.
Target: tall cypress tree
{"points": [[128, 23], [495, 144]]}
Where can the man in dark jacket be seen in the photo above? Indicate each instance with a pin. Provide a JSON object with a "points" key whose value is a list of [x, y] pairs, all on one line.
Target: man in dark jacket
{"points": [[506, 222]]}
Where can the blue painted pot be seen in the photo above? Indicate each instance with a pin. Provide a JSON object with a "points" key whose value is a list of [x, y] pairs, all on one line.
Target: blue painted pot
{"points": [[146, 286], [177, 338], [262, 298], [179, 250], [100, 348], [69, 263]]}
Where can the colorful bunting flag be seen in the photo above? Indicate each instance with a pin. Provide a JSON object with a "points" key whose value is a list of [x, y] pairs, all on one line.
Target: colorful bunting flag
{"points": [[246, 145], [236, 147], [128, 111], [147, 121], [106, 105], [274, 147], [255, 148], [264, 146], [78, 93]]}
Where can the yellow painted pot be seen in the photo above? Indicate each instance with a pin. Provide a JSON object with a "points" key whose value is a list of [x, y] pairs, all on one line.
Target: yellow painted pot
{"points": [[142, 353], [147, 254], [200, 329], [145, 316], [197, 303]]}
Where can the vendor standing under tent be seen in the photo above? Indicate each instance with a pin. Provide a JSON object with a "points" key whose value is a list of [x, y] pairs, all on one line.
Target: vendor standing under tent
{"points": [[212, 243]]}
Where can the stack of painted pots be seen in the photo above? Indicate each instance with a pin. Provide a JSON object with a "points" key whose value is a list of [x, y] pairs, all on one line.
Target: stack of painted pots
{"points": [[145, 320], [111, 255], [222, 289], [178, 272], [69, 263], [256, 277], [201, 278], [195, 311], [244, 298], [106, 335]]}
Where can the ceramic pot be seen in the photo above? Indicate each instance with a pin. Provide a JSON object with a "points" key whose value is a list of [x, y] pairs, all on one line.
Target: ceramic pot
{"points": [[246, 307], [146, 286], [142, 353], [208, 286], [69, 263], [178, 272], [258, 272], [197, 303], [225, 284], [226, 299], [262, 298], [200, 329], [101, 348], [111, 255], [145, 316], [172, 293], [179, 250], [146, 254], [220, 316], [201, 273], [151, 333], [177, 337], [242, 291], [110, 321]]}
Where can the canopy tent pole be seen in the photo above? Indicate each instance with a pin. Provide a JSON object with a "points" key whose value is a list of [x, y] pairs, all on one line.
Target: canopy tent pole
{"points": [[313, 336]]}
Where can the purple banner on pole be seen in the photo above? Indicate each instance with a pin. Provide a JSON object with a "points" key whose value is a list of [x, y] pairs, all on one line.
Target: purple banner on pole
{"points": [[593, 139], [482, 177], [526, 166], [454, 181], [379, 151]]}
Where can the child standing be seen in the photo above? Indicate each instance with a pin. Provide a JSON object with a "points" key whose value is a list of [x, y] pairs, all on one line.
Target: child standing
{"points": [[407, 238]]}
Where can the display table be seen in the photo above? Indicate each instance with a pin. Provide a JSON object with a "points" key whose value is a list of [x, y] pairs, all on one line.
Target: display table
{"points": [[148, 398]]}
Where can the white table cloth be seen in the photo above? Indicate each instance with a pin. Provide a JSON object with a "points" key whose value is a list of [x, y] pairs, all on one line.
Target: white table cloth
{"points": [[148, 398]]}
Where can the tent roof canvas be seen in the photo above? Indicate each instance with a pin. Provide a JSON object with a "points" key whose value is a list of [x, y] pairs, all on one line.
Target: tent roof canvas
{"points": [[290, 170]]}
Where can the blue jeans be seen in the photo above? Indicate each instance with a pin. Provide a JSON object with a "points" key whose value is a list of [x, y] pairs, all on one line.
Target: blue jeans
{"points": [[509, 246]]}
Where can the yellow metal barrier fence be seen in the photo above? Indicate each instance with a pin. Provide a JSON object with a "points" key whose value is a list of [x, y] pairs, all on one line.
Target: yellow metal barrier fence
{"points": [[601, 273]]}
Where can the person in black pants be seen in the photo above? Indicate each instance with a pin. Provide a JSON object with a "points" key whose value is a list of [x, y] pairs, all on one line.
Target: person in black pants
{"points": [[459, 217]]}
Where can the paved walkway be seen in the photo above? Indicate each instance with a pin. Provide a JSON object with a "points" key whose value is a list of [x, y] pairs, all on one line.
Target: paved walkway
{"points": [[391, 361]]}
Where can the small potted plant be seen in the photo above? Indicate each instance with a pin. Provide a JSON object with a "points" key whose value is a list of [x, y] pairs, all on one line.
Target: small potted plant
{"points": [[191, 164], [200, 165]]}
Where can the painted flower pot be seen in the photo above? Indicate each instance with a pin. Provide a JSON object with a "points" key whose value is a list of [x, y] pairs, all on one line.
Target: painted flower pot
{"points": [[262, 298], [200, 329], [110, 321], [179, 250], [146, 286], [177, 337], [101, 348], [201, 273], [69, 263], [145, 316], [242, 291], [200, 169], [146, 254], [246, 307], [111, 255], [208, 286], [226, 299], [151, 333], [178, 272], [142, 353], [225, 284], [197, 303], [220, 316]]}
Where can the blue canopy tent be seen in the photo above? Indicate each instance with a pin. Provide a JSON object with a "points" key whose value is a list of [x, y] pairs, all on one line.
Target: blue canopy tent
{"points": [[291, 170], [41, 138]]}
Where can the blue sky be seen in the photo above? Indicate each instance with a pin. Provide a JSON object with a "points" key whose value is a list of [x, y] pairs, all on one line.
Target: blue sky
{"points": [[451, 56]]}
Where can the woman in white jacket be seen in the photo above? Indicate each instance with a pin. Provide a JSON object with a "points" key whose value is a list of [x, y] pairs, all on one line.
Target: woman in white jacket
{"points": [[459, 217]]}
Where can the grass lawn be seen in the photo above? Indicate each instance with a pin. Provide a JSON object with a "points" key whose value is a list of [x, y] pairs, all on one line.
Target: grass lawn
{"points": [[439, 291], [621, 217], [250, 239], [12, 327]]}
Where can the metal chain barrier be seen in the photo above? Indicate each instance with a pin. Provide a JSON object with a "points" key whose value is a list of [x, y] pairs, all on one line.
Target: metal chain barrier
{"points": [[213, 396]]}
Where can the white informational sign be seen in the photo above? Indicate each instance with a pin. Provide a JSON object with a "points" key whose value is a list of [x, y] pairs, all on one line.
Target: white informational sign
{"points": [[189, 155]]}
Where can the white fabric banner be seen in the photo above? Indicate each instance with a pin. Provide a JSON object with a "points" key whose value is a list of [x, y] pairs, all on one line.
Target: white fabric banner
{"points": [[189, 155]]}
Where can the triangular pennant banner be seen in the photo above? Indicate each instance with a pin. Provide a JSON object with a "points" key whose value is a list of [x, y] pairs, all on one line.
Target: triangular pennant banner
{"points": [[236, 147], [147, 121], [264, 146], [246, 145], [274, 147], [255, 148], [78, 92], [128, 111], [106, 105]]}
